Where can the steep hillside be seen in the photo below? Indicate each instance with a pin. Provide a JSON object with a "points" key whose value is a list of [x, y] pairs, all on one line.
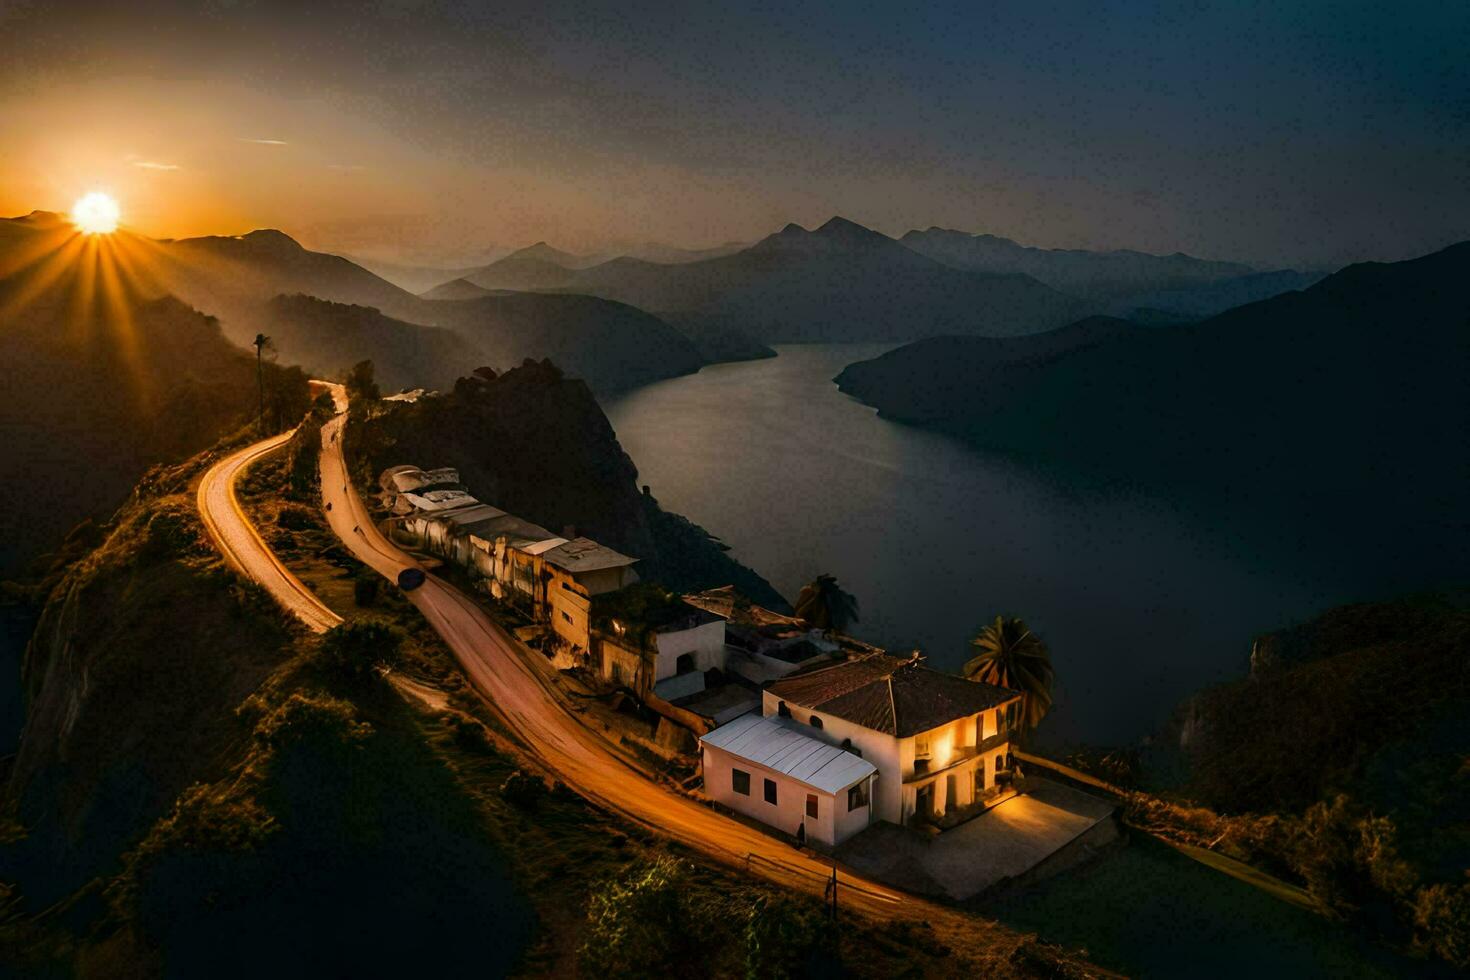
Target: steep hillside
{"points": [[101, 381], [537, 444], [1303, 406], [841, 282], [1340, 763], [327, 337], [609, 345], [937, 381]]}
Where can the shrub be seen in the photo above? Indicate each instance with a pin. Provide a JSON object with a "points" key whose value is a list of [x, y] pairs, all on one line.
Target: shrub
{"points": [[787, 937], [365, 587], [637, 924], [1442, 923], [524, 790], [312, 718], [360, 647]]}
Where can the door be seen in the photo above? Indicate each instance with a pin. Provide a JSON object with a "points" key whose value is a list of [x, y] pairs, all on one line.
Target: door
{"points": [[924, 801], [951, 794]]}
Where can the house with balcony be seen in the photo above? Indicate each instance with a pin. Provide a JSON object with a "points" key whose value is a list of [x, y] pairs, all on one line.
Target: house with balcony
{"points": [[939, 741]]}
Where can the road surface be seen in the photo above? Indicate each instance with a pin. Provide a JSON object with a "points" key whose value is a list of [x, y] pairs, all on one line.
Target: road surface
{"points": [[237, 539]]}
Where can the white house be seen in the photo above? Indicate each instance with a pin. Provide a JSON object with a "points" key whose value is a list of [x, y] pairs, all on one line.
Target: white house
{"points": [[771, 769], [937, 740], [686, 648]]}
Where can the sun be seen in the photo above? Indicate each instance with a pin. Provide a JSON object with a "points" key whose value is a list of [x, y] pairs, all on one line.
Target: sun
{"points": [[95, 214]]}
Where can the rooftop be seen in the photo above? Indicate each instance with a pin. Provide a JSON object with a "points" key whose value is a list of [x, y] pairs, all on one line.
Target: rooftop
{"points": [[898, 696], [586, 555], [783, 746], [735, 608]]}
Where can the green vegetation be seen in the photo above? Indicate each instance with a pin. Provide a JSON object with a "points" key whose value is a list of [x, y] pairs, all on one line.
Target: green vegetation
{"points": [[360, 383], [824, 605], [1009, 655], [1341, 764], [360, 648]]}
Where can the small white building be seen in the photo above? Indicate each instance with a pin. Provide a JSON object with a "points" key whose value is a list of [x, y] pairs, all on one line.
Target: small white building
{"points": [[770, 769], [686, 648]]}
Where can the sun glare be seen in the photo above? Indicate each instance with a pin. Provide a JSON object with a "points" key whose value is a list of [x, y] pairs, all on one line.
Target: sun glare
{"points": [[95, 214]]}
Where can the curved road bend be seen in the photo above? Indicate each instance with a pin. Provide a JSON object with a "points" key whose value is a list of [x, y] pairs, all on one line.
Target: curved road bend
{"points": [[237, 539], [521, 689]]}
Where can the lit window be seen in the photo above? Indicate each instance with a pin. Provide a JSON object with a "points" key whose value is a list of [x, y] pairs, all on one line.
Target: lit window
{"points": [[811, 805], [857, 796], [771, 791], [921, 746], [740, 782]]}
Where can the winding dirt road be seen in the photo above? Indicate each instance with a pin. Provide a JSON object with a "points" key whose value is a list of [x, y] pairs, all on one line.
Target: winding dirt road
{"points": [[521, 687], [237, 539]]}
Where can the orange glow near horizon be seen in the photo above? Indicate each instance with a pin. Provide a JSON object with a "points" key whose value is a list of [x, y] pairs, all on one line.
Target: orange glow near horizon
{"points": [[95, 213]]}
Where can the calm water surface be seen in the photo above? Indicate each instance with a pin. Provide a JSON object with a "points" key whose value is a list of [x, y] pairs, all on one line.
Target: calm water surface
{"points": [[1140, 602]]}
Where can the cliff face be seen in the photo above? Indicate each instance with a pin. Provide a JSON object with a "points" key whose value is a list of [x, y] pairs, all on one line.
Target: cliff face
{"points": [[538, 445], [131, 677]]}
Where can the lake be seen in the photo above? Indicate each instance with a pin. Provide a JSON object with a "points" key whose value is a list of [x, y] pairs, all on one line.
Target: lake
{"points": [[1140, 599]]}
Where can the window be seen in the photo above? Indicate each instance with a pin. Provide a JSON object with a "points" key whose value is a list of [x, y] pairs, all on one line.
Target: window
{"points": [[771, 791], [684, 663], [811, 805], [921, 746], [816, 722], [857, 796], [740, 782], [782, 710], [566, 617]]}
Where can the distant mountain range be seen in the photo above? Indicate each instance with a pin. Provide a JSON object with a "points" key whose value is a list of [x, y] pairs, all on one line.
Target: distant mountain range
{"points": [[840, 282], [1119, 281], [1342, 402], [609, 344]]}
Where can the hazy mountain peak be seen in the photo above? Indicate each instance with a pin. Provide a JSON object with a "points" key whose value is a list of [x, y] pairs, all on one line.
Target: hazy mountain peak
{"points": [[840, 227], [273, 240], [546, 253]]}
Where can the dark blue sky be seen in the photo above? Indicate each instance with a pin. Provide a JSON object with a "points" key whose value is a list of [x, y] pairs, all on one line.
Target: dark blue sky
{"points": [[1280, 132]]}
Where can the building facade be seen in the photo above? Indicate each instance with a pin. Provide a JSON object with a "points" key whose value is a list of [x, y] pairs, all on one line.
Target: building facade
{"points": [[938, 741], [769, 769]]}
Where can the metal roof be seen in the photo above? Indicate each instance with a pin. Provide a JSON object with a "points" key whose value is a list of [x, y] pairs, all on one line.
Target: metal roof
{"points": [[586, 555], [781, 745]]}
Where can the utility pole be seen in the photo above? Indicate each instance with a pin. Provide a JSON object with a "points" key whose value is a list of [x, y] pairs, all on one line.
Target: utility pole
{"points": [[261, 342]]}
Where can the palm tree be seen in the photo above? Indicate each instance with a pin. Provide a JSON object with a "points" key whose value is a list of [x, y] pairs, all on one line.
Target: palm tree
{"points": [[261, 343], [825, 605], [1009, 655]]}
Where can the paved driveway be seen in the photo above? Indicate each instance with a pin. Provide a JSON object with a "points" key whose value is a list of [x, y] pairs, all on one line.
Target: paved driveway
{"points": [[1005, 841]]}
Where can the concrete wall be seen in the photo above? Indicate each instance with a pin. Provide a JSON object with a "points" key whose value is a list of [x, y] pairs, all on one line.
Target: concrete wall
{"points": [[787, 814], [850, 822], [619, 664], [606, 579], [705, 641], [883, 751]]}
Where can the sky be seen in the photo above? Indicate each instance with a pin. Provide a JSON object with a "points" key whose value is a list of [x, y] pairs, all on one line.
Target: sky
{"points": [[1279, 133]]}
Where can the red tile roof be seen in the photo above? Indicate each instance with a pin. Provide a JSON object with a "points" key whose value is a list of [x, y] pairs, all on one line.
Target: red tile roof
{"points": [[898, 696]]}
